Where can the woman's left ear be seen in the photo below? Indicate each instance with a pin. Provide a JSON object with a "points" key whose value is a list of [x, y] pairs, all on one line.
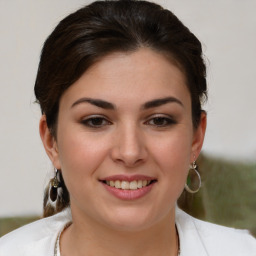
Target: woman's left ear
{"points": [[198, 137], [49, 142]]}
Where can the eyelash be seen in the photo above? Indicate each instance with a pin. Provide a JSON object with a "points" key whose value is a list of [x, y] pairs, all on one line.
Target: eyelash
{"points": [[166, 121], [89, 122]]}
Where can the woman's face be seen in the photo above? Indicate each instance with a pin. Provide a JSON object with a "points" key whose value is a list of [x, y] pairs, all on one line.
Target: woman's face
{"points": [[125, 140]]}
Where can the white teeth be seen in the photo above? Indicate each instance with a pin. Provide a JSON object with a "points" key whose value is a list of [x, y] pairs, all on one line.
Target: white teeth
{"points": [[135, 184], [117, 184], [139, 183], [144, 183], [125, 185]]}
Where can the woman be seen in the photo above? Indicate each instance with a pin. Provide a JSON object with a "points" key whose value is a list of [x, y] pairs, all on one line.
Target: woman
{"points": [[120, 85]]}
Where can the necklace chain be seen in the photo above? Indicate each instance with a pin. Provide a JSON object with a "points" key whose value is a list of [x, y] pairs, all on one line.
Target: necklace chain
{"points": [[57, 243]]}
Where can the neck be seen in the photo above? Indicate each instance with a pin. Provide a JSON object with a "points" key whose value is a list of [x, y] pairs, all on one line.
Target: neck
{"points": [[87, 238]]}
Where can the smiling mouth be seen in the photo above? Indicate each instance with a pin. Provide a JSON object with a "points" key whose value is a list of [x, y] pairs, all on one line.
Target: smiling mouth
{"points": [[128, 185]]}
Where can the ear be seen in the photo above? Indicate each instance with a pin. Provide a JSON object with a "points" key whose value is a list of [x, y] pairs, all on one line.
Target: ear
{"points": [[49, 142], [198, 137]]}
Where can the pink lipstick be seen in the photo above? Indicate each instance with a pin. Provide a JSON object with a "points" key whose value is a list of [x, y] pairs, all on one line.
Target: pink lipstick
{"points": [[128, 187]]}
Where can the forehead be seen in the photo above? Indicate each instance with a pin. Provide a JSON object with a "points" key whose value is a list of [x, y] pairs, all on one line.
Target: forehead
{"points": [[140, 75]]}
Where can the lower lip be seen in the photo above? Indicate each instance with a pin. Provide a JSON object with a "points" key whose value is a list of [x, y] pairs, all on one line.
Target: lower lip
{"points": [[126, 194]]}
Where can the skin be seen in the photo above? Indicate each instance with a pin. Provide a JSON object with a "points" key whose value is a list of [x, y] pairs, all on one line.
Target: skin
{"points": [[128, 139]]}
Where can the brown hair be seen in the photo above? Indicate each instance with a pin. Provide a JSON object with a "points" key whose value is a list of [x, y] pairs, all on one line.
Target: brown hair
{"points": [[103, 27]]}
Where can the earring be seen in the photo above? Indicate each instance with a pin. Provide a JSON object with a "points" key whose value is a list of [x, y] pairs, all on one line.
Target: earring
{"points": [[54, 185], [188, 189]]}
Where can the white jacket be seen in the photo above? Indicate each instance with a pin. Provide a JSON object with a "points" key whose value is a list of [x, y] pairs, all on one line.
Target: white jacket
{"points": [[197, 238]]}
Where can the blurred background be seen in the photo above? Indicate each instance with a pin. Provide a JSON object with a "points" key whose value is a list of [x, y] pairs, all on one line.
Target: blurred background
{"points": [[227, 30]]}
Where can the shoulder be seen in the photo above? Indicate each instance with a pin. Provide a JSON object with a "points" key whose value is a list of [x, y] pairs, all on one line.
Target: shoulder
{"points": [[37, 238], [212, 239]]}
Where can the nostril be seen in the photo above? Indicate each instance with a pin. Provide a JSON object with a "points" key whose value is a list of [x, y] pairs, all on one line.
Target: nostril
{"points": [[128, 162], [128, 152]]}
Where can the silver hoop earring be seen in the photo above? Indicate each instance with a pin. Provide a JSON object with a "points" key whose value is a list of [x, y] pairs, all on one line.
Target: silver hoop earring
{"points": [[188, 189], [54, 185]]}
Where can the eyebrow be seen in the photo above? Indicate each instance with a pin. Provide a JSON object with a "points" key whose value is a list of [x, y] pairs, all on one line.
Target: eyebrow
{"points": [[160, 102], [107, 105], [97, 102]]}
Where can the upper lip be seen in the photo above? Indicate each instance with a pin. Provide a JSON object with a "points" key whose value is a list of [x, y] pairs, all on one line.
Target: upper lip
{"points": [[129, 178]]}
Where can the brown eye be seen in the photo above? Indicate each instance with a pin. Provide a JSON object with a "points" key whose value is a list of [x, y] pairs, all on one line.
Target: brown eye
{"points": [[95, 122], [161, 121]]}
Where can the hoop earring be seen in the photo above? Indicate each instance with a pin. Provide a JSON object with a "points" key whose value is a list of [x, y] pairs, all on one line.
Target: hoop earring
{"points": [[188, 189], [54, 185]]}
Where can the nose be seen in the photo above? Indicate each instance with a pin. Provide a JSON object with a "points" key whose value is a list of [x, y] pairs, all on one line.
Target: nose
{"points": [[129, 147]]}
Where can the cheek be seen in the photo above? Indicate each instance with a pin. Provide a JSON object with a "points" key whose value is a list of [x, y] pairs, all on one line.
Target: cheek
{"points": [[80, 154], [172, 155], [174, 148], [80, 157]]}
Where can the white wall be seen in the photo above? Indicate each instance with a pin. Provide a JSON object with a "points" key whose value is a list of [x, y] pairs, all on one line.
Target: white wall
{"points": [[227, 30]]}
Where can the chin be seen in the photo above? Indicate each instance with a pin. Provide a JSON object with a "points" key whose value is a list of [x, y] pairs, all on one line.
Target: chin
{"points": [[132, 220]]}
